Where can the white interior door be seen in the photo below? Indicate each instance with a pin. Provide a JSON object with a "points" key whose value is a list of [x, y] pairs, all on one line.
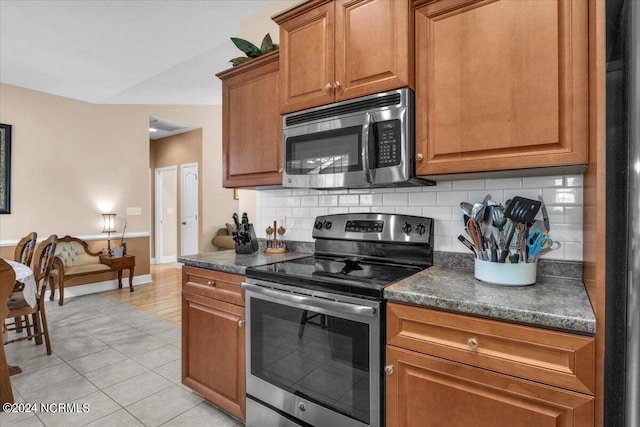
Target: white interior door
{"points": [[166, 236], [189, 211]]}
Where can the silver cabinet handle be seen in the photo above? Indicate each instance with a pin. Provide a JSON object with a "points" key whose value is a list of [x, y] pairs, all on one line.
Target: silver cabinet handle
{"points": [[210, 283], [419, 157], [388, 369], [241, 323], [342, 307], [472, 343], [336, 85]]}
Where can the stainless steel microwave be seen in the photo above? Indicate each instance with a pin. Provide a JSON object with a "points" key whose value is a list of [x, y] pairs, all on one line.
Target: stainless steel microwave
{"points": [[363, 142]]}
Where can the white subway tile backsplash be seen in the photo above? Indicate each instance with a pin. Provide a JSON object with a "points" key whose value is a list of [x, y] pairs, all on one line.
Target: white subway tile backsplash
{"points": [[451, 198], [442, 213], [360, 209], [329, 200], [300, 212], [575, 180], [476, 184], [562, 194], [409, 210], [309, 201], [542, 181], [370, 199], [572, 251], [292, 201], [276, 202], [395, 199], [422, 199], [573, 215], [349, 200], [383, 209], [502, 183], [529, 193]]}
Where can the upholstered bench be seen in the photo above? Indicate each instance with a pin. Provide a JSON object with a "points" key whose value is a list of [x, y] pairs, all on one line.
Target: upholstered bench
{"points": [[73, 259]]}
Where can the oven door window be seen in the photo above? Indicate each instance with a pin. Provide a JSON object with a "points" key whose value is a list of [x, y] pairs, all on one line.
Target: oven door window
{"points": [[321, 358], [328, 152]]}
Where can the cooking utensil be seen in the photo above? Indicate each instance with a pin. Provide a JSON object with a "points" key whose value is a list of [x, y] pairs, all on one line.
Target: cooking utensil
{"points": [[499, 221], [468, 244], [466, 207], [474, 232], [521, 211], [477, 212], [545, 215], [537, 242]]}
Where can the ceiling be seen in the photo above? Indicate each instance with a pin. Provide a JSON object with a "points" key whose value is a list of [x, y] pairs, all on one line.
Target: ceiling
{"points": [[121, 51]]}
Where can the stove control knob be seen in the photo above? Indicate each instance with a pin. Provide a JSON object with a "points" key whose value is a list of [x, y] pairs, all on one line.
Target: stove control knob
{"points": [[327, 225], [302, 406], [318, 225], [406, 228], [420, 229]]}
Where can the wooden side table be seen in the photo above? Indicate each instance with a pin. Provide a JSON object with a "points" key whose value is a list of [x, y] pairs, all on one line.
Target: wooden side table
{"points": [[126, 262]]}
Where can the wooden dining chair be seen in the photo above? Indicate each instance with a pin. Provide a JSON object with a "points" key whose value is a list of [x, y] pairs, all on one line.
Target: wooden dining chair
{"points": [[7, 278], [24, 251], [19, 308], [23, 254]]}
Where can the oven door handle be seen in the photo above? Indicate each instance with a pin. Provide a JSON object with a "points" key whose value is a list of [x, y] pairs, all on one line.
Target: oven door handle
{"points": [[342, 307]]}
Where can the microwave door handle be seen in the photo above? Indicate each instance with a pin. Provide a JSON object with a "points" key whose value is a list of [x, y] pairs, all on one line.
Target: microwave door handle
{"points": [[342, 307], [367, 149]]}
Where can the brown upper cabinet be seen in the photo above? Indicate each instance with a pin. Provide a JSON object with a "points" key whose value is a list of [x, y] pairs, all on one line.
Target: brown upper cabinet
{"points": [[336, 50], [500, 84], [251, 124]]}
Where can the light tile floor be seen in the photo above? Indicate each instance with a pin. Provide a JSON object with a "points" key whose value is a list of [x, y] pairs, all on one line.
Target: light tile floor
{"points": [[121, 363]]}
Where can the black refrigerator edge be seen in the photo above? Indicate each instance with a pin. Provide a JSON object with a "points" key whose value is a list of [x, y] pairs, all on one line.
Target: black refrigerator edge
{"points": [[622, 317]]}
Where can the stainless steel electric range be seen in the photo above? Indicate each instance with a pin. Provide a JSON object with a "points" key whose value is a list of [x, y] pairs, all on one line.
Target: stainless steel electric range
{"points": [[316, 325]]}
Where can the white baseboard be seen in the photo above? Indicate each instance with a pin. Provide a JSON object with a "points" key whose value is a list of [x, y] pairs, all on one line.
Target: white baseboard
{"points": [[166, 259], [107, 285]]}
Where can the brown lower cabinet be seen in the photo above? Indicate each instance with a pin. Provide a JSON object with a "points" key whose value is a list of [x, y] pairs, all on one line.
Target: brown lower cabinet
{"points": [[449, 369], [213, 338]]}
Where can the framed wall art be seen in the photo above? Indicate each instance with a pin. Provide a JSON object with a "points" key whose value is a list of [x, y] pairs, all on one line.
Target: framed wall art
{"points": [[5, 168]]}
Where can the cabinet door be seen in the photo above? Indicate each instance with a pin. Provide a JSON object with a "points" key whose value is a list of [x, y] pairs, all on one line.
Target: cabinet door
{"points": [[501, 84], [213, 351], [251, 124], [306, 58], [373, 50], [427, 391]]}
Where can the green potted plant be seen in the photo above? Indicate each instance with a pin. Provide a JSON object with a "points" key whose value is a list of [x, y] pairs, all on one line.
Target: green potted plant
{"points": [[251, 50]]}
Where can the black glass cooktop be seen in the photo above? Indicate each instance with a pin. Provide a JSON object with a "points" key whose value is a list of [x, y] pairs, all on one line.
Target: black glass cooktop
{"points": [[346, 275]]}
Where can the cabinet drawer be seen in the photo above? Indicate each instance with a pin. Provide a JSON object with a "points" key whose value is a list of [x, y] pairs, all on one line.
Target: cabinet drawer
{"points": [[427, 391], [213, 284], [556, 358]]}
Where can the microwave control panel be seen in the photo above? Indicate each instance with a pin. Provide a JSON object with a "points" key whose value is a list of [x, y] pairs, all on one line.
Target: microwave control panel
{"points": [[388, 139]]}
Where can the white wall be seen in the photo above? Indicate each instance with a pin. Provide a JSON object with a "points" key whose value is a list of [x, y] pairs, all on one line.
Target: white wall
{"points": [[562, 195]]}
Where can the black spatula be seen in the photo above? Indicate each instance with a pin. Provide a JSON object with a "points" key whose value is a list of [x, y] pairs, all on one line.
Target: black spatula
{"points": [[519, 210]]}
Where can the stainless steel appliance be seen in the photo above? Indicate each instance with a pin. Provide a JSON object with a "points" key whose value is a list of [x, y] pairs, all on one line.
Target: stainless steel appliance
{"points": [[363, 142], [622, 317], [316, 325]]}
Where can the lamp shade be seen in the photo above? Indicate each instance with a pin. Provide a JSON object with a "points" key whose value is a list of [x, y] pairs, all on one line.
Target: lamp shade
{"points": [[109, 223]]}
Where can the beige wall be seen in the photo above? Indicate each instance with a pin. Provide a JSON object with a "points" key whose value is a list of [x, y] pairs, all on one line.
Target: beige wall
{"points": [[69, 157], [175, 151]]}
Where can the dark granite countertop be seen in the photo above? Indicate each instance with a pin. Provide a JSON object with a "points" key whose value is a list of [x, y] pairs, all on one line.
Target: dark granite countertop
{"points": [[556, 303], [230, 262]]}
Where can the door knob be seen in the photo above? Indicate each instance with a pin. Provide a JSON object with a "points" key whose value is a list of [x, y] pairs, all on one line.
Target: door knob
{"points": [[472, 343], [419, 157], [241, 323], [328, 86], [336, 85], [388, 369]]}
